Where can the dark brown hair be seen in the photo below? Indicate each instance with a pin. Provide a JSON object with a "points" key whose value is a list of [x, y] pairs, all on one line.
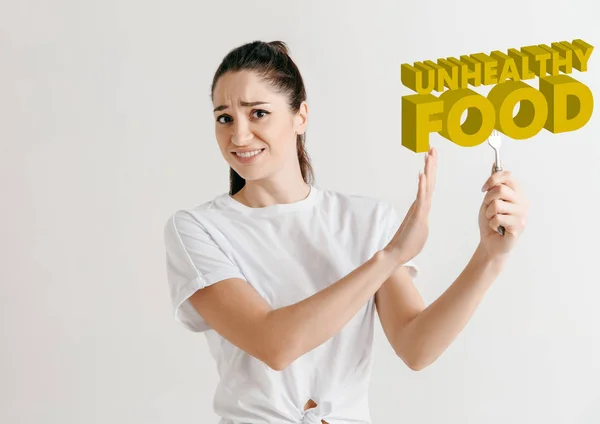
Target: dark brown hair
{"points": [[272, 63]]}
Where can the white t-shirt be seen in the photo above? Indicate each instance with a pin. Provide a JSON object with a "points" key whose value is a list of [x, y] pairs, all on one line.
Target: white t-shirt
{"points": [[287, 252]]}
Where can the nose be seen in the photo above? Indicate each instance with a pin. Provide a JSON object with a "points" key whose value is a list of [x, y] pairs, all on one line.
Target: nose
{"points": [[241, 134]]}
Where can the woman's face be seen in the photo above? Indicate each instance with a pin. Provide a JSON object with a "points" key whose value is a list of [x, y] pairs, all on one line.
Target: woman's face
{"points": [[251, 117]]}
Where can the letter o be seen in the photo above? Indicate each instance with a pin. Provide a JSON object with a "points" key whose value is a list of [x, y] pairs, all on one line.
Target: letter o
{"points": [[480, 121], [532, 115]]}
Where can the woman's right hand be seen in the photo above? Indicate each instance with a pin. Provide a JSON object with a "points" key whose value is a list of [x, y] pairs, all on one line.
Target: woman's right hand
{"points": [[412, 234]]}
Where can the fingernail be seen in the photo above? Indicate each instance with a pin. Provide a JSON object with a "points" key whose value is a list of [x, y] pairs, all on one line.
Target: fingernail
{"points": [[484, 188]]}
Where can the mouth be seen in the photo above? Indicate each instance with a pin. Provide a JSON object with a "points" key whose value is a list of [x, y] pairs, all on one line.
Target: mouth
{"points": [[248, 157]]}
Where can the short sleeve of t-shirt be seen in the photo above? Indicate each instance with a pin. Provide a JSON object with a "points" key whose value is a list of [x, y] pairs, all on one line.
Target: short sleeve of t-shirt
{"points": [[393, 223], [194, 261]]}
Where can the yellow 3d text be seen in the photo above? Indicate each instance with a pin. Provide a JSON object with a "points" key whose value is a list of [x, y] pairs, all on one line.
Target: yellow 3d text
{"points": [[560, 103]]}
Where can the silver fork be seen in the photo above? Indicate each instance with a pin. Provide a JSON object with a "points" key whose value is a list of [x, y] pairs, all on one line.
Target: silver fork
{"points": [[495, 141]]}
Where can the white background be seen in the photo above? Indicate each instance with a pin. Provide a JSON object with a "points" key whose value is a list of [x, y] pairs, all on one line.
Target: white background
{"points": [[106, 129]]}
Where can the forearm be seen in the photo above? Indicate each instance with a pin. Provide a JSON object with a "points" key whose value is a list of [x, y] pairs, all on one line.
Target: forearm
{"points": [[430, 333], [301, 327]]}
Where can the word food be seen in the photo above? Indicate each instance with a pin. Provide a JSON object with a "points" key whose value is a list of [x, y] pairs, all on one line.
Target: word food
{"points": [[560, 104]]}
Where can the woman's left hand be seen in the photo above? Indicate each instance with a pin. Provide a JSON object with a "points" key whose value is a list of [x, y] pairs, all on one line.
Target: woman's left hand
{"points": [[504, 204]]}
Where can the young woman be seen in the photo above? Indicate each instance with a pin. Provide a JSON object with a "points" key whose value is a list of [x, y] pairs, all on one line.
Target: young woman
{"points": [[284, 278]]}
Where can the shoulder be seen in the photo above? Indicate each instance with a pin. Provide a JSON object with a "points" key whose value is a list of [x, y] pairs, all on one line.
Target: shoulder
{"points": [[356, 202], [199, 215]]}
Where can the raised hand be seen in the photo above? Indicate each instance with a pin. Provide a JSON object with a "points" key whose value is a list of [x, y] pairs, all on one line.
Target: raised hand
{"points": [[410, 238]]}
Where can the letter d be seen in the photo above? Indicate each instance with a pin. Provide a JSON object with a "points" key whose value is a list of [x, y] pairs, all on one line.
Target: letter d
{"points": [[570, 103]]}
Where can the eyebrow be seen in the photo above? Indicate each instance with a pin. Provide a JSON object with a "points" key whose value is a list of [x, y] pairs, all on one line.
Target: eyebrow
{"points": [[242, 103]]}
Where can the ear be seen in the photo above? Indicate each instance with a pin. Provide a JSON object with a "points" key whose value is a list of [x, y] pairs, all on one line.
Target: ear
{"points": [[301, 118]]}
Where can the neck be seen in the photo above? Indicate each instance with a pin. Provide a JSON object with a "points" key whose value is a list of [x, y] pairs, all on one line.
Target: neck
{"points": [[258, 194]]}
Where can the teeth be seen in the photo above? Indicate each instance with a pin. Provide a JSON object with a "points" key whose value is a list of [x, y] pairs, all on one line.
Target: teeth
{"points": [[248, 154]]}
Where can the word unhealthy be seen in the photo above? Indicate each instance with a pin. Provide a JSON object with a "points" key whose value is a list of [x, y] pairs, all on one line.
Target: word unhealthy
{"points": [[560, 103]]}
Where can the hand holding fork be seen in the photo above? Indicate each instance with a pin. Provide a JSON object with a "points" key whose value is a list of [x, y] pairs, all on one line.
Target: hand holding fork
{"points": [[504, 209]]}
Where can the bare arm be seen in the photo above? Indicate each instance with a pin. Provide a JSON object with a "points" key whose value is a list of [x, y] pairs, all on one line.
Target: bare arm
{"points": [[279, 336], [427, 336], [311, 322], [426, 333], [420, 335]]}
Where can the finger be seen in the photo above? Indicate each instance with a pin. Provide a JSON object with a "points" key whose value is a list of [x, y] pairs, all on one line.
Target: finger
{"points": [[430, 163], [502, 192], [511, 223], [431, 171], [426, 169], [422, 191], [501, 207], [498, 177], [501, 177]]}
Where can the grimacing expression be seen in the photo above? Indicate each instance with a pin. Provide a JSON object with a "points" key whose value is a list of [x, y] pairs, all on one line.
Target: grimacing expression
{"points": [[263, 122]]}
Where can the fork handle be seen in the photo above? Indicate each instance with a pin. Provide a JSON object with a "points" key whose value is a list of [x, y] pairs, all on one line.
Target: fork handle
{"points": [[501, 229]]}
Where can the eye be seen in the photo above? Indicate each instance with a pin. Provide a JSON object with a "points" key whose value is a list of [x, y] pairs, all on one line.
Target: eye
{"points": [[257, 111], [222, 116], [261, 111]]}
